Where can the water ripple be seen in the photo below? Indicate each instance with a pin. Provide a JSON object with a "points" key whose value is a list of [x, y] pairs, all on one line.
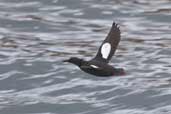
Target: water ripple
{"points": [[35, 36]]}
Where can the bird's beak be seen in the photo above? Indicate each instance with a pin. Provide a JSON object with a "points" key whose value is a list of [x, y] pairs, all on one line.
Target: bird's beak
{"points": [[65, 61]]}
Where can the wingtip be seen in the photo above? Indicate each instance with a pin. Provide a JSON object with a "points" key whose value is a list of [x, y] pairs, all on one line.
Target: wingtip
{"points": [[116, 25]]}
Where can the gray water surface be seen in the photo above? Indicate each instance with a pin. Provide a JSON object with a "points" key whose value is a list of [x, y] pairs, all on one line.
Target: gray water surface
{"points": [[36, 35]]}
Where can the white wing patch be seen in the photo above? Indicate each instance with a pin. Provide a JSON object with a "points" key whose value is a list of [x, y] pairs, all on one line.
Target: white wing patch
{"points": [[105, 50], [94, 66]]}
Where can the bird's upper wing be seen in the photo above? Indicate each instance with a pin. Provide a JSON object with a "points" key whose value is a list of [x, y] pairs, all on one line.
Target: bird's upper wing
{"points": [[109, 45]]}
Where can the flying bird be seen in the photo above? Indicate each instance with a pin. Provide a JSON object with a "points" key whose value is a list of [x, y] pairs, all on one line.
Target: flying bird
{"points": [[99, 64]]}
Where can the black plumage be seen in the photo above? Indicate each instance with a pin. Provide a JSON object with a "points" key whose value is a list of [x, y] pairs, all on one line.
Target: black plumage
{"points": [[99, 64]]}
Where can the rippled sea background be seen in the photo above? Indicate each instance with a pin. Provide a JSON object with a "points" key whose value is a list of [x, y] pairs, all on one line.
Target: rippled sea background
{"points": [[36, 35]]}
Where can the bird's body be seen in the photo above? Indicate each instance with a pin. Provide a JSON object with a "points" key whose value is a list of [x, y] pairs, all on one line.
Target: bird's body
{"points": [[99, 65], [102, 70], [97, 68]]}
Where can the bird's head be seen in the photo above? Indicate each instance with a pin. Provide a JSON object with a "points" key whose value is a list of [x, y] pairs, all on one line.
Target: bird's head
{"points": [[74, 60]]}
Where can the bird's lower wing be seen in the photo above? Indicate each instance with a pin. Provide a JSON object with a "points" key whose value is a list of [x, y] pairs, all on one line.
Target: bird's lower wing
{"points": [[91, 67]]}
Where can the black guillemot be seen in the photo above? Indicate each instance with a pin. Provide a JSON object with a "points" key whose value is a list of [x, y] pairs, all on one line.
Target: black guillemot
{"points": [[99, 64]]}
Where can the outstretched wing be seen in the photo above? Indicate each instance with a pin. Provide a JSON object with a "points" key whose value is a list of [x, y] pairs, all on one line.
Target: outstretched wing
{"points": [[109, 45]]}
